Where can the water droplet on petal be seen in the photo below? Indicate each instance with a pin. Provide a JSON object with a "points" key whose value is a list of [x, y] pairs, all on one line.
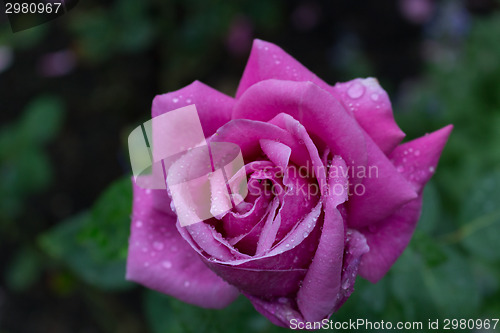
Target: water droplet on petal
{"points": [[146, 264], [432, 169], [356, 90], [417, 152], [175, 100], [138, 224], [400, 169], [374, 97], [186, 284], [167, 264], [158, 245]]}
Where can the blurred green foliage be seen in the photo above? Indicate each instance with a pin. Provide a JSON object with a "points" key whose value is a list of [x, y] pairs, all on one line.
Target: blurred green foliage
{"points": [[24, 166]]}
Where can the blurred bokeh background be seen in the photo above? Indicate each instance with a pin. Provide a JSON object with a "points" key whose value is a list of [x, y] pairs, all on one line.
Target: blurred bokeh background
{"points": [[71, 91]]}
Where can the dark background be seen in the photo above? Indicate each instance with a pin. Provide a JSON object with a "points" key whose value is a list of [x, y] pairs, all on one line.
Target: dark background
{"points": [[72, 89]]}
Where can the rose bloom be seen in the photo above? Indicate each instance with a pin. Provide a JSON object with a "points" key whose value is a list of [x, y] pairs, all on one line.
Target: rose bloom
{"points": [[297, 242]]}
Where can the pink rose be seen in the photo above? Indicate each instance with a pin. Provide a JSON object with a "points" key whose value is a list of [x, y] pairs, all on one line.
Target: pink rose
{"points": [[332, 193]]}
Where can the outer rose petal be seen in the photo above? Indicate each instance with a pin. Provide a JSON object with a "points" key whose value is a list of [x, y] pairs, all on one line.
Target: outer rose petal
{"points": [[279, 312], [374, 113], [388, 239], [372, 108], [385, 191], [268, 61], [214, 108], [159, 258]]}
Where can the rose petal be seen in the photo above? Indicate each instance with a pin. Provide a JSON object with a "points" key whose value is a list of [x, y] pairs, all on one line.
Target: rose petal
{"points": [[374, 112], [417, 159], [318, 111], [317, 297], [268, 61], [214, 108], [384, 190], [161, 260], [388, 239], [280, 312], [317, 170], [247, 133], [372, 108], [260, 282], [355, 248]]}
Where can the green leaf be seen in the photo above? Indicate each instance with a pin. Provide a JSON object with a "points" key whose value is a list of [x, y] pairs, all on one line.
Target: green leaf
{"points": [[169, 315], [83, 257], [24, 270], [41, 120], [431, 209], [447, 290], [109, 224], [480, 216]]}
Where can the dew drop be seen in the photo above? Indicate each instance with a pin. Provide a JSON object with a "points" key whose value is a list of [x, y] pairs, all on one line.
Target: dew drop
{"points": [[138, 224], [356, 90], [158, 245], [400, 169], [146, 264], [188, 100], [374, 97], [417, 152], [432, 169], [186, 284], [277, 62], [175, 100], [166, 264]]}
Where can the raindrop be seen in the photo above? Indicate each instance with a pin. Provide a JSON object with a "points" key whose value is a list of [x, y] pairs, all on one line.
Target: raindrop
{"points": [[138, 224], [146, 264], [158, 245], [400, 169], [186, 284], [167, 264], [417, 152], [356, 90], [374, 97], [175, 100], [432, 169]]}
